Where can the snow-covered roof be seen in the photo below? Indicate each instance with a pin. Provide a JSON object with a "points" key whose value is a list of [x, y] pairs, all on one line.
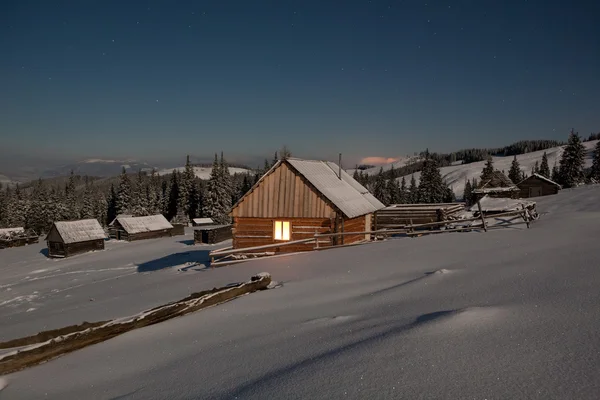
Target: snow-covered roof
{"points": [[496, 189], [542, 177], [79, 231], [11, 231], [491, 204], [202, 221], [349, 196], [149, 223]]}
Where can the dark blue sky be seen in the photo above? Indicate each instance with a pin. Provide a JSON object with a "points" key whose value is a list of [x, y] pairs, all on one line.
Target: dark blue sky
{"points": [[366, 78]]}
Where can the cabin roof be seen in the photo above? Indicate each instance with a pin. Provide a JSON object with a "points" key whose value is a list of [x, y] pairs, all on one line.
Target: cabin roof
{"points": [[202, 221], [79, 231], [346, 194], [148, 223], [497, 183], [10, 231], [542, 177], [492, 204]]}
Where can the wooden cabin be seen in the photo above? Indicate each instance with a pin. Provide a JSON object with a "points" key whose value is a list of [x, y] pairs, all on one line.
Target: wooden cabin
{"points": [[296, 199], [498, 186], [139, 228], [537, 185], [67, 238], [15, 237], [212, 234]]}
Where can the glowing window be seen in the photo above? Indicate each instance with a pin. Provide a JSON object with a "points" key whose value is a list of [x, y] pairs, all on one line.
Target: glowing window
{"points": [[282, 230]]}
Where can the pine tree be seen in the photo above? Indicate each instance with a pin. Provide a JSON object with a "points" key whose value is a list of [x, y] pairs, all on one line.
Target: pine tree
{"points": [[535, 168], [101, 209], [488, 170], [544, 169], [380, 191], [555, 173], [111, 207], [58, 210], [285, 152], [413, 191], [2, 206], [139, 200], [468, 193], [572, 162], [186, 184], [431, 186], [71, 199], [449, 195], [403, 192], [213, 204], [275, 159], [89, 201], [38, 214], [245, 187], [355, 175], [173, 201], [514, 173], [595, 172], [124, 202], [226, 193], [154, 194]]}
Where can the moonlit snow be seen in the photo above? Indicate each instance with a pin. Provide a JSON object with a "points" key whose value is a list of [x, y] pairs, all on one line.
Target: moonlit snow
{"points": [[508, 314]]}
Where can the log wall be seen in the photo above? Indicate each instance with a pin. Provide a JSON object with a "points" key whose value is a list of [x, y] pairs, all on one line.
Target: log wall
{"points": [[66, 250], [283, 193], [534, 182]]}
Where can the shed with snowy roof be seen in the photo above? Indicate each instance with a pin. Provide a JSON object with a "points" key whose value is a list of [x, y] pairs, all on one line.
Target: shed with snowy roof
{"points": [[497, 186], [67, 238], [138, 228], [537, 185], [297, 198]]}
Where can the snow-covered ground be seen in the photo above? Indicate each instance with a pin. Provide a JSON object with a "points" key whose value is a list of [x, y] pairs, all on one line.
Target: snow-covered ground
{"points": [[401, 162], [457, 175], [203, 173], [510, 313]]}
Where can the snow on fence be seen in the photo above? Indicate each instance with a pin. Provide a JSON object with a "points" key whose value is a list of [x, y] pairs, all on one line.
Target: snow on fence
{"points": [[230, 255]]}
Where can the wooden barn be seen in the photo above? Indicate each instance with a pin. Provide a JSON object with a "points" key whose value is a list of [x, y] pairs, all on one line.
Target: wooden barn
{"points": [[498, 186], [15, 237], [296, 199], [537, 185], [67, 238], [139, 228]]}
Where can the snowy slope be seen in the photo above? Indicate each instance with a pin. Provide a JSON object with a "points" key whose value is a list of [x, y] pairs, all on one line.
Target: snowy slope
{"points": [[402, 162], [500, 315], [455, 175], [202, 172]]}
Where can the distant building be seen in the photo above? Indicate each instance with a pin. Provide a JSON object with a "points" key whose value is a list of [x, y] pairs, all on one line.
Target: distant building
{"points": [[15, 237], [498, 186], [538, 185], [296, 199], [67, 238], [139, 228]]}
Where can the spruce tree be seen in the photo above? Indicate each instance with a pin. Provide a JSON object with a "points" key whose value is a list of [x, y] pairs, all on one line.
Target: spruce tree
{"points": [[403, 193], [536, 168], [124, 202], [393, 189], [380, 190], [39, 212], [595, 172], [544, 169], [572, 162], [213, 206], [413, 191], [139, 200], [226, 189], [514, 173], [153, 194], [488, 170], [431, 186], [89, 201], [355, 175], [173, 201], [2, 206], [101, 209], [71, 198], [468, 193], [285, 152], [111, 207], [555, 173]]}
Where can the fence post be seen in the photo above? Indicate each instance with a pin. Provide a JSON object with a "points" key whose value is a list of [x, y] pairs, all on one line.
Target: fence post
{"points": [[481, 215], [316, 246]]}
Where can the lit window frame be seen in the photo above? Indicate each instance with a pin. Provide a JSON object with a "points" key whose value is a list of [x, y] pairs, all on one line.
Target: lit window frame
{"points": [[282, 230]]}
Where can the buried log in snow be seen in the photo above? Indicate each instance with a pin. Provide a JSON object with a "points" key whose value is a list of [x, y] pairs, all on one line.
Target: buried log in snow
{"points": [[59, 343]]}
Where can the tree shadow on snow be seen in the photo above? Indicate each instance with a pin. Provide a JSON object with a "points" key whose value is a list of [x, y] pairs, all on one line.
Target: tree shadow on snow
{"points": [[198, 259], [45, 253]]}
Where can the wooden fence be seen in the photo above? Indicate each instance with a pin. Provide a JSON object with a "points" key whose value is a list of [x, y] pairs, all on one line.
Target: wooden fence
{"points": [[228, 255]]}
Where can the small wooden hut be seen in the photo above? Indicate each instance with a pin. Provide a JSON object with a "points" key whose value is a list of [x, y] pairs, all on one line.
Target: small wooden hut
{"points": [[498, 186], [67, 238], [537, 185], [139, 228], [296, 199], [211, 234], [15, 237]]}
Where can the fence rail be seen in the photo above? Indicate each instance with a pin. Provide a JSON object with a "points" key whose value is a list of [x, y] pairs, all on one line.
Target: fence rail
{"points": [[409, 230]]}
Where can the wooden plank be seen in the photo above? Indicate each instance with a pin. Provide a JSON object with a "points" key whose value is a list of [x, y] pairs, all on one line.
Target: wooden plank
{"points": [[481, 215]]}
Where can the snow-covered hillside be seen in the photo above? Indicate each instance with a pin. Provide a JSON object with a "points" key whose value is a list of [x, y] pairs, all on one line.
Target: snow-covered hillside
{"points": [[510, 313], [401, 162], [457, 175], [203, 172]]}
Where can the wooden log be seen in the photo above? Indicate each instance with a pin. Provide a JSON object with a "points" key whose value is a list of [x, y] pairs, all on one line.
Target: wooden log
{"points": [[481, 215]]}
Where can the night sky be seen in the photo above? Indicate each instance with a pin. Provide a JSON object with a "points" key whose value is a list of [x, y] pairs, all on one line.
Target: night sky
{"points": [[153, 79]]}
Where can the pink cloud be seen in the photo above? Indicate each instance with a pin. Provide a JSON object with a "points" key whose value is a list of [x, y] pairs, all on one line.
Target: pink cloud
{"points": [[378, 160]]}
